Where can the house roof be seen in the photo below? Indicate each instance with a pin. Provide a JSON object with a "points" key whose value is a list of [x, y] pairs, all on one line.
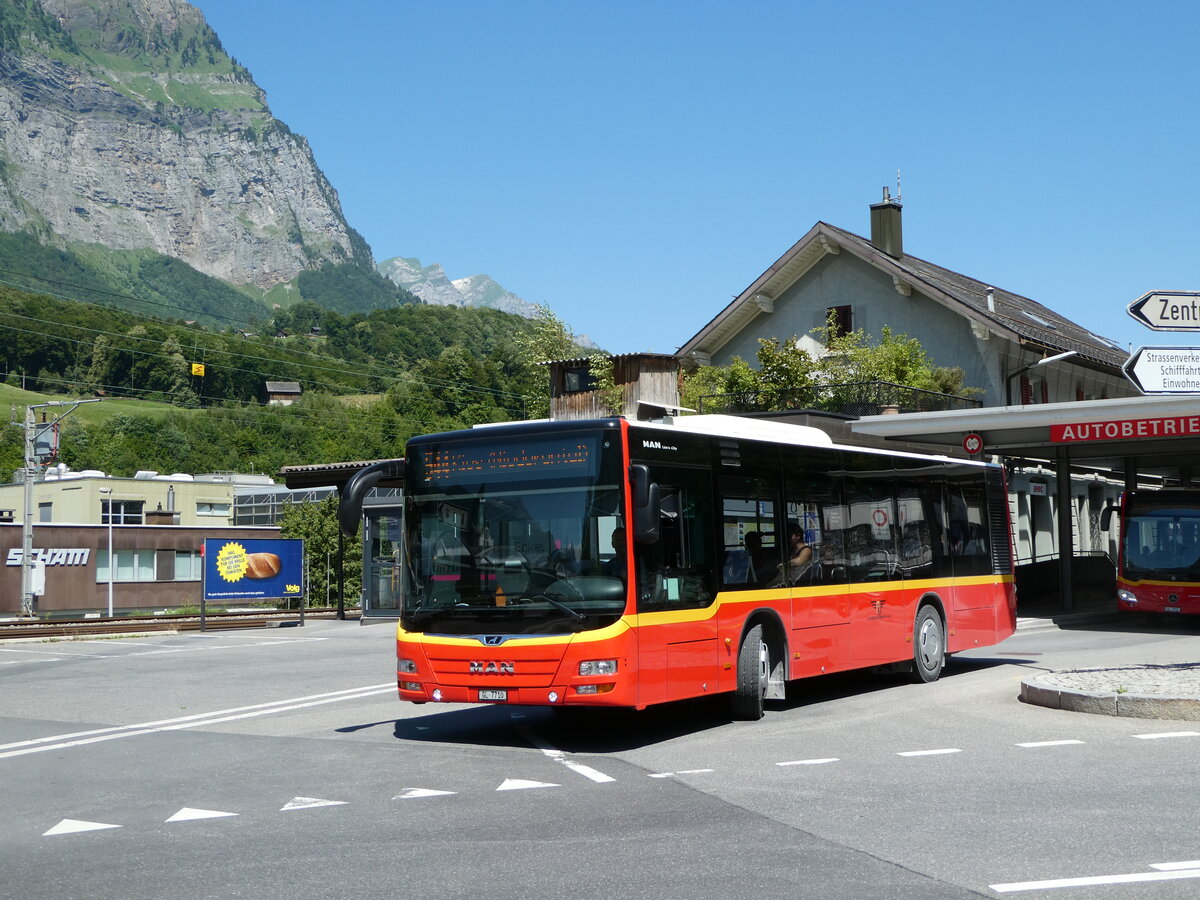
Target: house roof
{"points": [[283, 387], [1009, 315]]}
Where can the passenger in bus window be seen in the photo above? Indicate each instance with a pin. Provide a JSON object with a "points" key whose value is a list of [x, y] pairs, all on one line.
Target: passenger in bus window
{"points": [[616, 565], [800, 556], [763, 561]]}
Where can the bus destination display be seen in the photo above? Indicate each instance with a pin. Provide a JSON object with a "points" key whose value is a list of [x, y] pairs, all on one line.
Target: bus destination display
{"points": [[468, 463]]}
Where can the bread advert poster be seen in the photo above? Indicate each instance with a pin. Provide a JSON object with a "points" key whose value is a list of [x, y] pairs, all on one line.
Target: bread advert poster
{"points": [[252, 570]]}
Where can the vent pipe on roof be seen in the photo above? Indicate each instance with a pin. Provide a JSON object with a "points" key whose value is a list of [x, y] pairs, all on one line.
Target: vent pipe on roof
{"points": [[991, 299], [885, 226]]}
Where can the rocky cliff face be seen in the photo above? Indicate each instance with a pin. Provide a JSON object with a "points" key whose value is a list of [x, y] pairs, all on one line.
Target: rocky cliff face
{"points": [[427, 282], [130, 127], [432, 286]]}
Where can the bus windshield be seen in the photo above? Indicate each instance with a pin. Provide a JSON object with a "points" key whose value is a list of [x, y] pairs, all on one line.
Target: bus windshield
{"points": [[514, 535], [1162, 536]]}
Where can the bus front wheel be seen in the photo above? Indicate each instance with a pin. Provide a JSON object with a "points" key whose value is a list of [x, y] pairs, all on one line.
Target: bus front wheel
{"points": [[929, 645], [753, 666]]}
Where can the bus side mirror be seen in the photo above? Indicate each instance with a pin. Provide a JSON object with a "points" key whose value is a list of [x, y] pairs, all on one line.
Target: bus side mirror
{"points": [[1106, 517], [645, 505]]}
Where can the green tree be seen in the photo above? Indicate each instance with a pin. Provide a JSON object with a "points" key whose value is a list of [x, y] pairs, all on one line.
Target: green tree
{"points": [[316, 524]]}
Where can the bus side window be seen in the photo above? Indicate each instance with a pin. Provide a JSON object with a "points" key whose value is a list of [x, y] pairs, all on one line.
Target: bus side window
{"points": [[676, 572], [969, 546], [751, 551]]}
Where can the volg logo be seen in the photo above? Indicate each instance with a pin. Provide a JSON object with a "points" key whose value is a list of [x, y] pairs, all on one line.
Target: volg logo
{"points": [[478, 667]]}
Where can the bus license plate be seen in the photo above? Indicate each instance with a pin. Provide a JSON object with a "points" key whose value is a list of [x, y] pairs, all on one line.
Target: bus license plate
{"points": [[502, 696], [1171, 609]]}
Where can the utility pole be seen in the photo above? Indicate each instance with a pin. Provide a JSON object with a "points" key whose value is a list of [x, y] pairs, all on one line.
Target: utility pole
{"points": [[31, 469]]}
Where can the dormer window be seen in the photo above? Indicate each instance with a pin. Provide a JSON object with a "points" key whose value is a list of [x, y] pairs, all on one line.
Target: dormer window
{"points": [[1045, 323]]}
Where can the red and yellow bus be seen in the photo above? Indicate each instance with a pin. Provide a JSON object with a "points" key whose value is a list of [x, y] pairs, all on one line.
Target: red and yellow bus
{"points": [[1158, 561], [621, 563]]}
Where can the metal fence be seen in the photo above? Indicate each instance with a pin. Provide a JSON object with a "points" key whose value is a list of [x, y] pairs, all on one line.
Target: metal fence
{"points": [[864, 398]]}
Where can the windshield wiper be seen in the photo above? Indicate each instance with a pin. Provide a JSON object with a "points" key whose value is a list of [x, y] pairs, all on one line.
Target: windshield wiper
{"points": [[575, 614]]}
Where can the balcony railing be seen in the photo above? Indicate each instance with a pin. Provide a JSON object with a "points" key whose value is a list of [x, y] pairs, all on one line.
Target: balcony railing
{"points": [[864, 398]]}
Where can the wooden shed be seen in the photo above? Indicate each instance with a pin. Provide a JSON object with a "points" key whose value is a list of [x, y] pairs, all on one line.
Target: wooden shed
{"points": [[643, 379]]}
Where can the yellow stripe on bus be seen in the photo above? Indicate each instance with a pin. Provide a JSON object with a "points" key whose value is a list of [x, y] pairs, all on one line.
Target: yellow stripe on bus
{"points": [[731, 598]]}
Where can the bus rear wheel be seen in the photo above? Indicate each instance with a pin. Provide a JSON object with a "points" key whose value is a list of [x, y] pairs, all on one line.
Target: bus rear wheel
{"points": [[753, 667], [929, 646]]}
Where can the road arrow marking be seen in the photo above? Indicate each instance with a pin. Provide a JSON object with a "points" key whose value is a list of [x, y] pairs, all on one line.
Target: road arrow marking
{"points": [[414, 793], [73, 826], [310, 803], [517, 784], [187, 814]]}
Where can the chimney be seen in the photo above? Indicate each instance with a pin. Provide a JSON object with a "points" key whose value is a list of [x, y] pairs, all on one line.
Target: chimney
{"points": [[885, 226]]}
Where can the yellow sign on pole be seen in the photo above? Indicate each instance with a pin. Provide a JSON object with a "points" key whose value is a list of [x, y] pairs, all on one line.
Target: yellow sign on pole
{"points": [[197, 368]]}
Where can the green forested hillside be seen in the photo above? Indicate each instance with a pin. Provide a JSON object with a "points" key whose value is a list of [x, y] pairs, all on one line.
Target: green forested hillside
{"points": [[370, 380]]}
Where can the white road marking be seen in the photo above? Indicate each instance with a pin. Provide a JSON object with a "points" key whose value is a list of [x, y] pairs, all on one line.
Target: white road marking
{"points": [[310, 803], [80, 738], [560, 756], [1049, 743], [188, 814], [1172, 867], [1167, 734], [809, 762], [941, 752], [1094, 880], [518, 784], [680, 772], [74, 826], [413, 793]]}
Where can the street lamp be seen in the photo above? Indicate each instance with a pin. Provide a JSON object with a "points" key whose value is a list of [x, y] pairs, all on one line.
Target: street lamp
{"points": [[111, 561], [1033, 365]]}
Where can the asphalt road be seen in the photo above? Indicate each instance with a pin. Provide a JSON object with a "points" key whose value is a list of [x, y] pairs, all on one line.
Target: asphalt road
{"points": [[278, 763]]}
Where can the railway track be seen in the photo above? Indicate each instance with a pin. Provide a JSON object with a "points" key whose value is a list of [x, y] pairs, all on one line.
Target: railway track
{"points": [[224, 621]]}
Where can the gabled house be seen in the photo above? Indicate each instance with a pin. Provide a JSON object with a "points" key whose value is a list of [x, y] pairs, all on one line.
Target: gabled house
{"points": [[1013, 348]]}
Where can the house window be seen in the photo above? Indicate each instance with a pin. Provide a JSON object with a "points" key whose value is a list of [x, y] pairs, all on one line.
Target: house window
{"points": [[132, 565], [840, 319], [45, 511], [576, 380], [121, 512], [188, 565], [212, 509]]}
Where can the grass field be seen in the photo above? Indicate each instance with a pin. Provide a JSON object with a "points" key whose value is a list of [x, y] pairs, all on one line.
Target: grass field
{"points": [[87, 412]]}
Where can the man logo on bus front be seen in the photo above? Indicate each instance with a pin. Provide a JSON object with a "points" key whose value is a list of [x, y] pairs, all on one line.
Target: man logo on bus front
{"points": [[490, 667]]}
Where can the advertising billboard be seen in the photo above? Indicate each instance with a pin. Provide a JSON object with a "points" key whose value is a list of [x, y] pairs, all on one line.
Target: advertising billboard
{"points": [[237, 569]]}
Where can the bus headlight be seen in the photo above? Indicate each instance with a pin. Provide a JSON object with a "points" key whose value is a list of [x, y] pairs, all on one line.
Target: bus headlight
{"points": [[1126, 596], [593, 667], [408, 666]]}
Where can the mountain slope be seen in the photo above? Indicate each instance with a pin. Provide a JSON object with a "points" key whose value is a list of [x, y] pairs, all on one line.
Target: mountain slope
{"points": [[125, 123], [432, 286]]}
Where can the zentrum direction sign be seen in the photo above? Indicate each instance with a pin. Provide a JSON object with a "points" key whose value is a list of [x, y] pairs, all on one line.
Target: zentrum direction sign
{"points": [[1164, 370], [1168, 310]]}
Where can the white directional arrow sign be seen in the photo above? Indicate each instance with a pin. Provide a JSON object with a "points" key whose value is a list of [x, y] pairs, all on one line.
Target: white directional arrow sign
{"points": [[1168, 310], [1165, 370]]}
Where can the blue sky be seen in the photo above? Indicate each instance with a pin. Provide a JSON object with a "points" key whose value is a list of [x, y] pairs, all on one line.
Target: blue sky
{"points": [[636, 165]]}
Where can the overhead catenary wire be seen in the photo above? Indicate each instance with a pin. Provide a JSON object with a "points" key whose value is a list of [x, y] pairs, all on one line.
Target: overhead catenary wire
{"points": [[345, 388], [251, 409]]}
